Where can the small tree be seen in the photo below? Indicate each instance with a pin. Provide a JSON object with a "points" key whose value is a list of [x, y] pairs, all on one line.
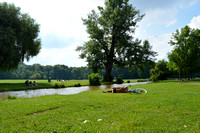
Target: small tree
{"points": [[18, 37], [160, 71]]}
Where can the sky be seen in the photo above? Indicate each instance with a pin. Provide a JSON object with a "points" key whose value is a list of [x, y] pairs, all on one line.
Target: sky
{"points": [[62, 29]]}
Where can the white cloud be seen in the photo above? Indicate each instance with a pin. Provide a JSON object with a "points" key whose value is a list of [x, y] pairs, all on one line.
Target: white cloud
{"points": [[159, 16], [61, 28], [67, 56], [171, 23], [161, 45], [195, 22]]}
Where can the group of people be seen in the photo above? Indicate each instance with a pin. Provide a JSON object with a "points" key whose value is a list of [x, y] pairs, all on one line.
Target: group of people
{"points": [[29, 83]]}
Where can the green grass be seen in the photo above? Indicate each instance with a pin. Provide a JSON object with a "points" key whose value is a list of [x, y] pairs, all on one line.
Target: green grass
{"points": [[13, 85], [168, 106]]}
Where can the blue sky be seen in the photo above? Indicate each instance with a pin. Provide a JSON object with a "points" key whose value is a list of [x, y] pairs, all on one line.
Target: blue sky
{"points": [[62, 30]]}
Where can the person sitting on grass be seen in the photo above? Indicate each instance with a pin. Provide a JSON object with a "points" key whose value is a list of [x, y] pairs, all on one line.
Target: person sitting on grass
{"points": [[123, 89], [34, 83], [27, 83], [30, 83]]}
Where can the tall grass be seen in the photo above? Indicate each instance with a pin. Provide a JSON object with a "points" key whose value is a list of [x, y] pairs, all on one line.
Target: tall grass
{"points": [[169, 106]]}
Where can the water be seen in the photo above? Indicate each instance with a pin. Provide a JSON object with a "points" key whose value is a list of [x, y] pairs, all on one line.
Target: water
{"points": [[62, 91]]}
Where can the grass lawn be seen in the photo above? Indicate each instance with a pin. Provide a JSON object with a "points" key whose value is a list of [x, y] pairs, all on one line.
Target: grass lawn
{"points": [[9, 85], [168, 106], [13, 85]]}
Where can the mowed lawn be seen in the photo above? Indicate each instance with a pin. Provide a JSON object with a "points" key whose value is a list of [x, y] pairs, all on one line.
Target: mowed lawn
{"points": [[168, 106], [9, 85], [14, 85]]}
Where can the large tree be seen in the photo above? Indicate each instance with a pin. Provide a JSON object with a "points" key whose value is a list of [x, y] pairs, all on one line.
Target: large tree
{"points": [[111, 38], [18, 37], [186, 53]]}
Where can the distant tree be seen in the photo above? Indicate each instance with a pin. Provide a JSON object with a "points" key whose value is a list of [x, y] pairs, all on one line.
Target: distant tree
{"points": [[36, 76], [160, 71], [186, 54], [48, 70], [18, 37], [111, 38]]}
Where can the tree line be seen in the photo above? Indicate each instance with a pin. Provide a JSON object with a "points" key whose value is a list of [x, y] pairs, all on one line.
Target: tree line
{"points": [[184, 59], [37, 71]]}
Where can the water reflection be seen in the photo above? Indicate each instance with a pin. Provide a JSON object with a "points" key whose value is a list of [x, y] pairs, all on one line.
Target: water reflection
{"points": [[62, 91]]}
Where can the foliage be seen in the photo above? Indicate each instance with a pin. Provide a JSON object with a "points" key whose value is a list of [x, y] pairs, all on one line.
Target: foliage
{"points": [[160, 72], [94, 79], [18, 37], [142, 80], [185, 58], [119, 80], [77, 85], [37, 71], [167, 107], [59, 85], [111, 39]]}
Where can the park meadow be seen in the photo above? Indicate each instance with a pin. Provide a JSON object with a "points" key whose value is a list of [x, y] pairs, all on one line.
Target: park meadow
{"points": [[168, 106]]}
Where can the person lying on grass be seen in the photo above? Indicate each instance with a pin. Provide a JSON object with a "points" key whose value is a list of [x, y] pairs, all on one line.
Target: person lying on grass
{"points": [[123, 89]]}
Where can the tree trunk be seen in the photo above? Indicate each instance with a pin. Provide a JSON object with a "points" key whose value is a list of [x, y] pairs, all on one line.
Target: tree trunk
{"points": [[191, 75], [108, 77]]}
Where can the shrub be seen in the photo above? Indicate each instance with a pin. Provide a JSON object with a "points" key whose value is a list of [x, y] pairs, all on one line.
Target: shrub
{"points": [[94, 79], [119, 80], [59, 85], [56, 85], [77, 85]]}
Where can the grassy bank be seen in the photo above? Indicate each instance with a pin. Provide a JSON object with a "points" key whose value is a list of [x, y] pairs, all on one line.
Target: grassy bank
{"points": [[13, 85], [169, 106]]}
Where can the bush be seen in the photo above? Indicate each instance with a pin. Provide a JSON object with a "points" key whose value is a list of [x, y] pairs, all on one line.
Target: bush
{"points": [[142, 80], [77, 85], [59, 85], [94, 79], [119, 80]]}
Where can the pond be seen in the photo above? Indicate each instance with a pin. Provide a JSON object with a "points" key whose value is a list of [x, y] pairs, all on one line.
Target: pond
{"points": [[62, 91]]}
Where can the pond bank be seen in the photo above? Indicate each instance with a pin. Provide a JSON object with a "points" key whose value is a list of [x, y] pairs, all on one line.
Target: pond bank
{"points": [[62, 91]]}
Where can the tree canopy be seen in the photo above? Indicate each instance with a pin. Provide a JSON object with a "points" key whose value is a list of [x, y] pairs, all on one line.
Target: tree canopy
{"points": [[160, 71], [37, 71], [111, 41], [18, 37], [185, 58]]}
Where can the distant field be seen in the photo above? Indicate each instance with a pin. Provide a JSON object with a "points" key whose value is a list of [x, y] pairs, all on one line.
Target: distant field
{"points": [[6, 85], [168, 107], [12, 85]]}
